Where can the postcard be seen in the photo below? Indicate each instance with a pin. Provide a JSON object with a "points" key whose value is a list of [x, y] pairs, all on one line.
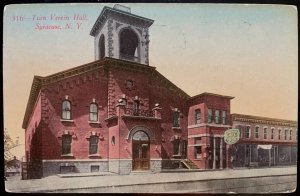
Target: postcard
{"points": [[150, 98]]}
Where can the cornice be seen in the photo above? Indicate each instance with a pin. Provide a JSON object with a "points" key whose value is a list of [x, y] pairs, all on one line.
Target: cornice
{"points": [[111, 11], [105, 63], [263, 120]]}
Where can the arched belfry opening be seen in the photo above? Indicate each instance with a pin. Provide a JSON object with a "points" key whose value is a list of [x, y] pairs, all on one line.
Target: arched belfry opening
{"points": [[126, 39], [129, 45], [101, 47]]}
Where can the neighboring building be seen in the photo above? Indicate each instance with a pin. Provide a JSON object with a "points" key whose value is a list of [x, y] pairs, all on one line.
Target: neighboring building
{"points": [[119, 114], [13, 167], [208, 119], [264, 141]]}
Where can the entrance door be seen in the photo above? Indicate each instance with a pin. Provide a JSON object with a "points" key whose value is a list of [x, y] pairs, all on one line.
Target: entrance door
{"points": [[140, 151]]}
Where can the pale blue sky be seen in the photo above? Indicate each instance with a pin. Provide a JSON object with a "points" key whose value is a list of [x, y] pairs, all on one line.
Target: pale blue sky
{"points": [[246, 51]]}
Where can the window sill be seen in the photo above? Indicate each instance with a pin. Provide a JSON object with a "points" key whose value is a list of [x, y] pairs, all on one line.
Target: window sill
{"points": [[176, 128], [176, 156], [66, 120], [94, 122], [67, 155], [94, 155]]}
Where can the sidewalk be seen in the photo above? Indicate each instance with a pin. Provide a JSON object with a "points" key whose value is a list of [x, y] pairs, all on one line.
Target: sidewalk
{"points": [[56, 183]]}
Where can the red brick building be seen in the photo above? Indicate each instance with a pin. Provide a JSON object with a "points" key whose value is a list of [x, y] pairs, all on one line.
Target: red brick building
{"points": [[119, 114], [264, 141]]}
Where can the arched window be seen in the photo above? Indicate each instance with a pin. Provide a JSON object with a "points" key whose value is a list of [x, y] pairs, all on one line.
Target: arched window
{"points": [[101, 47], [93, 112], [291, 133], [129, 45], [140, 136], [66, 110]]}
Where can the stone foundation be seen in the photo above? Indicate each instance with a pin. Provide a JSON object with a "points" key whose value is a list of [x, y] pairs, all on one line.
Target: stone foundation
{"points": [[53, 167], [156, 165]]}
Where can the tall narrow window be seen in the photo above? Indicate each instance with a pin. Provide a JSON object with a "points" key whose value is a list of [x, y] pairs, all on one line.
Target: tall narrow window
{"points": [[272, 133], [217, 116], [256, 132], [239, 127], [176, 147], [102, 47], [66, 144], [265, 133], [224, 117], [197, 116], [285, 134], [66, 110], [93, 144], [279, 134], [175, 119], [93, 112], [209, 116], [248, 132], [291, 133], [136, 106]]}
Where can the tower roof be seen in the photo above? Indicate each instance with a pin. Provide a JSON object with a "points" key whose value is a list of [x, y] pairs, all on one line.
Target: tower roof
{"points": [[117, 11]]}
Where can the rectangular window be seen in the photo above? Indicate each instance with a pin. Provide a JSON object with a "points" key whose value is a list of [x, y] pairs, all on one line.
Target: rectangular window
{"points": [[176, 146], [66, 144], [197, 116], [93, 145], [224, 118], [291, 133], [239, 127], [265, 133], [175, 119], [256, 132], [198, 152], [248, 133], [209, 116], [95, 168], [285, 134], [279, 134], [272, 133], [197, 140], [217, 116]]}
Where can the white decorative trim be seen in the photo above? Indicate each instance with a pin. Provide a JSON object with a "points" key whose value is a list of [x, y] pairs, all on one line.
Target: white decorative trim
{"points": [[205, 135], [66, 120], [199, 135], [73, 160], [119, 159], [209, 125], [137, 128], [191, 145], [94, 122]]}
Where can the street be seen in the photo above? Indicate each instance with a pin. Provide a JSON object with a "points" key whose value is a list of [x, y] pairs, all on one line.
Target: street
{"points": [[281, 179]]}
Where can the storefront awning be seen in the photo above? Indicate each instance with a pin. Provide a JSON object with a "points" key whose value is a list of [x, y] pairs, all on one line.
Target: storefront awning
{"points": [[265, 147]]}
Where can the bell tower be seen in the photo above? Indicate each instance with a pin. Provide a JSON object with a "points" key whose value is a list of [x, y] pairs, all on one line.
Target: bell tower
{"points": [[122, 35]]}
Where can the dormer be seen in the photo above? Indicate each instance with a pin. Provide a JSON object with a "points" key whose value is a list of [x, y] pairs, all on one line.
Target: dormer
{"points": [[122, 35]]}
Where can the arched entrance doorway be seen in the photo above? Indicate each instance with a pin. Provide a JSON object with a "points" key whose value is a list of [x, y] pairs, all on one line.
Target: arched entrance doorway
{"points": [[140, 151]]}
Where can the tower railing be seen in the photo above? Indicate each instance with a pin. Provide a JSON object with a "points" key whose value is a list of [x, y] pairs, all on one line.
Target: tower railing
{"points": [[129, 57], [139, 112]]}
